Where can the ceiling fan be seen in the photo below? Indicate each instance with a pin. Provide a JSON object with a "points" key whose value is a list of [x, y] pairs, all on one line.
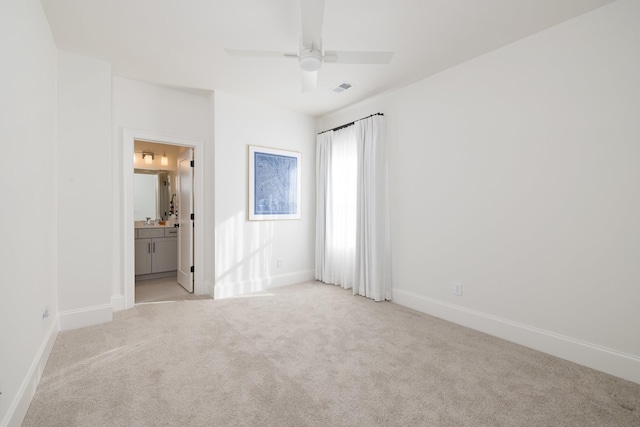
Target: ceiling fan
{"points": [[311, 56]]}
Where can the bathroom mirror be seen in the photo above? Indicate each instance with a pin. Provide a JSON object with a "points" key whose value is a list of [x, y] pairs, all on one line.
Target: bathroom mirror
{"points": [[152, 194]]}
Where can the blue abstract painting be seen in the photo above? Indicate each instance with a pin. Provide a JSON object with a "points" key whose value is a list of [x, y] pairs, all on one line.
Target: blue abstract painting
{"points": [[275, 184]]}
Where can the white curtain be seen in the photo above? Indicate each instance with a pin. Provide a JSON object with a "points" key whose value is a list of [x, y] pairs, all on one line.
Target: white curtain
{"points": [[323, 154], [336, 181], [352, 233], [372, 277]]}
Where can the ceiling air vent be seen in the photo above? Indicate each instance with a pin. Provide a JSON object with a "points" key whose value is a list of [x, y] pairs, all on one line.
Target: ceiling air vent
{"points": [[341, 87]]}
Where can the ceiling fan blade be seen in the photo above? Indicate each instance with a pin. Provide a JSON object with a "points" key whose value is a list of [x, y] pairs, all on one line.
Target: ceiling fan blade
{"points": [[260, 53], [357, 57], [312, 16], [309, 79]]}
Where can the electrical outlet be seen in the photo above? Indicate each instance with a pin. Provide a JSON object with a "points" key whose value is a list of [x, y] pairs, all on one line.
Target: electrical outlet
{"points": [[280, 263], [457, 288]]}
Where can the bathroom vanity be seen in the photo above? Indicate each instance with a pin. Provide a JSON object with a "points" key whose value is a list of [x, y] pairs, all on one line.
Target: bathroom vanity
{"points": [[156, 250]]}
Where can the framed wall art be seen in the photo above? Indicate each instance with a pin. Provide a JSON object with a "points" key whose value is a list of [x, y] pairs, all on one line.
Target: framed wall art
{"points": [[274, 184]]}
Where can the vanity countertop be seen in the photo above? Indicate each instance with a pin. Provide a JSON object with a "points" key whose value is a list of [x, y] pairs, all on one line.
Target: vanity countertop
{"points": [[140, 224]]}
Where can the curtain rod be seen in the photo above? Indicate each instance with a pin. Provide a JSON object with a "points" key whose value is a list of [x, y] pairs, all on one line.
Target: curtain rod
{"points": [[349, 124]]}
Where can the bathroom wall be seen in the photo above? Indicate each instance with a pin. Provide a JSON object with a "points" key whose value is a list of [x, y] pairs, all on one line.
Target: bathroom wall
{"points": [[171, 152], [159, 150]]}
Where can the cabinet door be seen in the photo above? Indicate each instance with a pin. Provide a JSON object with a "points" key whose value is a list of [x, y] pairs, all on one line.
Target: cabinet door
{"points": [[165, 254], [143, 256]]}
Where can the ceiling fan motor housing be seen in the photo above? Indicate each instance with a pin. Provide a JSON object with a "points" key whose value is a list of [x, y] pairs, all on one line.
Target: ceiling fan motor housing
{"points": [[310, 60]]}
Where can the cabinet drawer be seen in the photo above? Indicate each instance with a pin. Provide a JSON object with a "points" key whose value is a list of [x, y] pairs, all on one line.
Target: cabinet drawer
{"points": [[144, 233], [171, 232]]}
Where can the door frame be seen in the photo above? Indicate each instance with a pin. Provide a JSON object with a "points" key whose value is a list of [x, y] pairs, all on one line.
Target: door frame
{"points": [[128, 230]]}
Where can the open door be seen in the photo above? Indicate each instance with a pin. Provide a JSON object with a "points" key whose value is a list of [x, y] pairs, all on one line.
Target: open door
{"points": [[185, 221]]}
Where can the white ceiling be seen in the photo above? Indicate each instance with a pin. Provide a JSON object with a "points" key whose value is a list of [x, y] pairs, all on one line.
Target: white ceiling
{"points": [[180, 43]]}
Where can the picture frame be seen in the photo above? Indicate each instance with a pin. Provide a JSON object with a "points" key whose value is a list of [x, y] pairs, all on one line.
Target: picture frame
{"points": [[274, 184]]}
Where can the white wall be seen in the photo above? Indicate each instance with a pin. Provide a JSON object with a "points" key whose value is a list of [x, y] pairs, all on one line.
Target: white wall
{"points": [[247, 251], [84, 190], [28, 230], [162, 111], [518, 174]]}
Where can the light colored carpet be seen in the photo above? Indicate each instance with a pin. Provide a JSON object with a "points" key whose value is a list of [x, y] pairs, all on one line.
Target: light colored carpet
{"points": [[163, 289], [312, 355]]}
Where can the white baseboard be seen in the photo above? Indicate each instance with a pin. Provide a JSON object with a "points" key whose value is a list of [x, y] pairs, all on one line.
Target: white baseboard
{"points": [[228, 290], [74, 319], [117, 302], [20, 404], [593, 356]]}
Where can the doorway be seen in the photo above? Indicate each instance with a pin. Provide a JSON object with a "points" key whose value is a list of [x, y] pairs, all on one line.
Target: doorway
{"points": [[163, 207], [195, 278]]}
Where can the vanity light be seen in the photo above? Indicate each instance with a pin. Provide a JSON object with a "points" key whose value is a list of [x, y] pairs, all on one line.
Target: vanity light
{"points": [[148, 158], [164, 160]]}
